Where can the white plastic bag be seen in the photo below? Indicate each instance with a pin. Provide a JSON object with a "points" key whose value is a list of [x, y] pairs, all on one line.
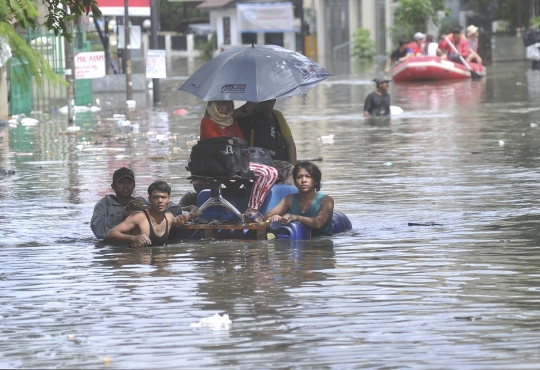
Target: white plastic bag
{"points": [[533, 51], [5, 52]]}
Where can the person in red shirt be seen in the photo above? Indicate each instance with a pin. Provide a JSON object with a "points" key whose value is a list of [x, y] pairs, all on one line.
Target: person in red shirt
{"points": [[417, 46], [218, 121], [460, 43]]}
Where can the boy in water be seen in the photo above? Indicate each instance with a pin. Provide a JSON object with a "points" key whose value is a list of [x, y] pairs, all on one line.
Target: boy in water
{"points": [[151, 227]]}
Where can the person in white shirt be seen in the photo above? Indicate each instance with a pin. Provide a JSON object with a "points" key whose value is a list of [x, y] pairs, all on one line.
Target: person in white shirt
{"points": [[431, 48]]}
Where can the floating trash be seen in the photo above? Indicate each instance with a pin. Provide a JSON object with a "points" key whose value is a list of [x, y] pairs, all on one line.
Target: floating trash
{"points": [[29, 121], [123, 123], [216, 322], [73, 128], [387, 164], [131, 103], [327, 139], [534, 124], [501, 143], [180, 112]]}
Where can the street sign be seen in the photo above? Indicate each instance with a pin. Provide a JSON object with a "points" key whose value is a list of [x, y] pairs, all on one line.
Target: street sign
{"points": [[156, 65], [90, 65]]}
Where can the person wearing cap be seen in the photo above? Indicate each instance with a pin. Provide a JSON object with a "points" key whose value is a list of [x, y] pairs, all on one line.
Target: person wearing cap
{"points": [[111, 209], [460, 44], [150, 227], [472, 39], [418, 44], [401, 53], [378, 102]]}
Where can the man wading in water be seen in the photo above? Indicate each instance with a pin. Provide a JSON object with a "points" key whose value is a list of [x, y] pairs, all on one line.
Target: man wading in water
{"points": [[378, 102], [151, 227]]}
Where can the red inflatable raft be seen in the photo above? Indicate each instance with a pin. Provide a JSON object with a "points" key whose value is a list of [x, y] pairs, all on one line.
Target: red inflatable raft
{"points": [[433, 68]]}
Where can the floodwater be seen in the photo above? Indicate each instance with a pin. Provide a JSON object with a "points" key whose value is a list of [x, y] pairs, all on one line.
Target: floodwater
{"points": [[463, 293]]}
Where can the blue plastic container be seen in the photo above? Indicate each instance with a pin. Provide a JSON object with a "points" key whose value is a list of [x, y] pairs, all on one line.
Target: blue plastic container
{"points": [[293, 231], [239, 198], [340, 223], [298, 231]]}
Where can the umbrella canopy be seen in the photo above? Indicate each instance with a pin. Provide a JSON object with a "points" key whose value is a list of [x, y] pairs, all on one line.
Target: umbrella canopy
{"points": [[255, 73]]}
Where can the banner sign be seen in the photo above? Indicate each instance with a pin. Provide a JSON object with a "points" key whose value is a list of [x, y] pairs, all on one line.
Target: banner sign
{"points": [[156, 64], [134, 37], [137, 8], [90, 65], [271, 17]]}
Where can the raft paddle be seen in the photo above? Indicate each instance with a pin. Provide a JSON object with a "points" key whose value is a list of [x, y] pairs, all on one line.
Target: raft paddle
{"points": [[474, 75]]}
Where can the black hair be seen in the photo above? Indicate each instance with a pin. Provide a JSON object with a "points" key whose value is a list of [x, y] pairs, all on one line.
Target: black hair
{"points": [[456, 29], [160, 186], [403, 42], [312, 169]]}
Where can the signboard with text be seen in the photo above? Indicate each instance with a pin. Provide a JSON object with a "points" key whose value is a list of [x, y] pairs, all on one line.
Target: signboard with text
{"points": [[137, 8], [90, 65], [156, 65]]}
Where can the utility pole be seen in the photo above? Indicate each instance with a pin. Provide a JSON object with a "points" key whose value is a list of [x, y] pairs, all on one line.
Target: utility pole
{"points": [[127, 52], [70, 74], [154, 28]]}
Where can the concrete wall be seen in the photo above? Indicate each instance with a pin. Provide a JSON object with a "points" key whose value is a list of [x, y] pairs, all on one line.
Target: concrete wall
{"points": [[508, 48]]}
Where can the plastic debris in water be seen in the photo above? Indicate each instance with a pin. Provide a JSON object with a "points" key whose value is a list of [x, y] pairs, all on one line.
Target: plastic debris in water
{"points": [[73, 128], [501, 143], [134, 127], [123, 123], [107, 361], [29, 121], [326, 139], [216, 322], [270, 236], [180, 112], [71, 337], [131, 103], [387, 164], [534, 124]]}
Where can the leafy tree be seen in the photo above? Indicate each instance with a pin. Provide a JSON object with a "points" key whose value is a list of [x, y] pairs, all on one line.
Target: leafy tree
{"points": [[363, 46], [18, 15], [207, 48], [412, 16]]}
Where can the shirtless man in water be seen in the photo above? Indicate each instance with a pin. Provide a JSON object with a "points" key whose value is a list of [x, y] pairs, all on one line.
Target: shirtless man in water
{"points": [[151, 227]]}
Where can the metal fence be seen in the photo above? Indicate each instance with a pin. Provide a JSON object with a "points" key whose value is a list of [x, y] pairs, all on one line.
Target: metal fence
{"points": [[26, 94]]}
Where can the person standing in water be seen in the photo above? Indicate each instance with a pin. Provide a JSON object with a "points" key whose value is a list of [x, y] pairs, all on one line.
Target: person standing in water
{"points": [[378, 102]]}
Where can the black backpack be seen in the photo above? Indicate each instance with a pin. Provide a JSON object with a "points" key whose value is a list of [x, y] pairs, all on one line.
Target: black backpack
{"points": [[220, 156]]}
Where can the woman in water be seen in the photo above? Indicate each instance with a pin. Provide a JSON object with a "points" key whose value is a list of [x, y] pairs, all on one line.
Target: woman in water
{"points": [[308, 206]]}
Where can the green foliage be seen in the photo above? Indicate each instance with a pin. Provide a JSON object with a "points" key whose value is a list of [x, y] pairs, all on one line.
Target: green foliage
{"points": [[363, 46], [509, 12], [172, 13], [412, 16], [446, 27], [24, 14], [207, 48], [535, 22]]}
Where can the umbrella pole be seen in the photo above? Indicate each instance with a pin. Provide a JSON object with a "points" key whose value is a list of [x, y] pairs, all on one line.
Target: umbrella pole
{"points": [[252, 138]]}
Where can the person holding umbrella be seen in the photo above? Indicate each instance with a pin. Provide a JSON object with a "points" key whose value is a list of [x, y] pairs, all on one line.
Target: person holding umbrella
{"points": [[218, 121], [270, 129]]}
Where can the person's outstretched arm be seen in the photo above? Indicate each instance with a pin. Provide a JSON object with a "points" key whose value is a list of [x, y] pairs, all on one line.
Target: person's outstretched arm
{"points": [[182, 219], [120, 233]]}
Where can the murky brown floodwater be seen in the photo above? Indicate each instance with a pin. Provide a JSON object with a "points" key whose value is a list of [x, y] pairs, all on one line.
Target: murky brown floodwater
{"points": [[385, 295]]}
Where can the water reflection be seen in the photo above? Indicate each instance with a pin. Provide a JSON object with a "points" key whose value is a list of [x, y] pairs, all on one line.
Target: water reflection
{"points": [[463, 155]]}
